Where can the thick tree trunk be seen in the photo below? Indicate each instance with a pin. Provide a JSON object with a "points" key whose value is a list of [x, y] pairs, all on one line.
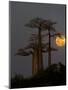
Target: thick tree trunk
{"points": [[37, 61], [35, 65]]}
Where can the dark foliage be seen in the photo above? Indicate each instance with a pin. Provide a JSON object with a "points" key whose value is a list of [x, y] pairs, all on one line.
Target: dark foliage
{"points": [[54, 75]]}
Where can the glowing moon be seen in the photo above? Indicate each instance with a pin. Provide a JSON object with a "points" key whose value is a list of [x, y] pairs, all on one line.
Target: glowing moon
{"points": [[60, 41]]}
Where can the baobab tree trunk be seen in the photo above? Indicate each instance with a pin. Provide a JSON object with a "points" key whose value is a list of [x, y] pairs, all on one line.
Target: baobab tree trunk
{"points": [[35, 65], [49, 50], [40, 62], [37, 59]]}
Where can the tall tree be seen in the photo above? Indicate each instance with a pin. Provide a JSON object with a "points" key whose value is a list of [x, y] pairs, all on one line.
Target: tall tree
{"points": [[50, 28], [32, 49], [37, 46], [42, 25], [36, 23]]}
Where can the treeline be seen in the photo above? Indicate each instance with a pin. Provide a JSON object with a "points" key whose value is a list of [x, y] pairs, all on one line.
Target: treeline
{"points": [[54, 75]]}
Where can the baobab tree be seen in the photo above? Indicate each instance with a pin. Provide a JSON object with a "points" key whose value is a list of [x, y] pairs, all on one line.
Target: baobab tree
{"points": [[39, 23], [48, 25], [42, 25], [50, 48], [32, 49], [37, 47]]}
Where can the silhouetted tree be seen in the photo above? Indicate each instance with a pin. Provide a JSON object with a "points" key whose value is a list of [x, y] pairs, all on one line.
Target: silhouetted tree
{"points": [[37, 46], [32, 49], [47, 25]]}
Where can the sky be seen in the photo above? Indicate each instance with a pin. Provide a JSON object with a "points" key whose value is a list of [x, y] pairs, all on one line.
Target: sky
{"points": [[20, 13]]}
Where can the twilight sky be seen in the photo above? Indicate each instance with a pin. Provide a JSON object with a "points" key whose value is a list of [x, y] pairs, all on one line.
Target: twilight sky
{"points": [[20, 14]]}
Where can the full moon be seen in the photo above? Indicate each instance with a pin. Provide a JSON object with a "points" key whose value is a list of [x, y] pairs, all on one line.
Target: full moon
{"points": [[60, 41]]}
